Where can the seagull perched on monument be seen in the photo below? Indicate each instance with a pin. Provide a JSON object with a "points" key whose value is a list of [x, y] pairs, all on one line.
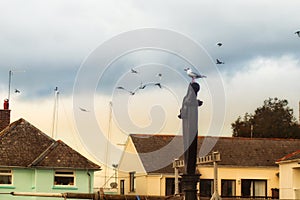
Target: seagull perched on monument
{"points": [[192, 74]]}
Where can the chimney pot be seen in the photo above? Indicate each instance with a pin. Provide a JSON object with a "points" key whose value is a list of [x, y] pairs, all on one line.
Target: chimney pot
{"points": [[6, 104]]}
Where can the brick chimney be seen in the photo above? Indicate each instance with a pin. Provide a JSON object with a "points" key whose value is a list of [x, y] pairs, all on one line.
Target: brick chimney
{"points": [[4, 115]]}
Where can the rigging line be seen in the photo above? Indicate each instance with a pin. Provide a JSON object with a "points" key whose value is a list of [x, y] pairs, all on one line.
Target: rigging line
{"points": [[108, 140], [108, 180], [69, 123]]}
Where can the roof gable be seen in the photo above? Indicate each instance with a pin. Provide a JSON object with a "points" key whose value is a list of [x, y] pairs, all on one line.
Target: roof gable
{"points": [[23, 145], [130, 161]]}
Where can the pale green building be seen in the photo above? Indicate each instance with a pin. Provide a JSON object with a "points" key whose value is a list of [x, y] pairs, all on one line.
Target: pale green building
{"points": [[31, 161]]}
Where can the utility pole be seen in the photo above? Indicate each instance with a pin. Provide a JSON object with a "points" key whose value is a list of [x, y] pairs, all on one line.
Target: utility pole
{"points": [[9, 82], [176, 171], [10, 73], [215, 195]]}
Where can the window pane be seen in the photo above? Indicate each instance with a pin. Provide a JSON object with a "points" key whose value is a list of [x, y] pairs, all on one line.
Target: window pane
{"points": [[246, 188], [64, 178], [256, 188], [6, 171], [206, 187], [228, 188], [131, 181], [64, 172], [5, 179], [260, 188]]}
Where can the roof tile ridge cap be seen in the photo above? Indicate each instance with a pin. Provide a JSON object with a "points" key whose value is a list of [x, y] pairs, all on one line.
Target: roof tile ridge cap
{"points": [[41, 157], [288, 156]]}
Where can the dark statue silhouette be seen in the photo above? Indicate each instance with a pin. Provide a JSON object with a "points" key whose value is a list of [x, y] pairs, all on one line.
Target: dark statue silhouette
{"points": [[189, 116]]}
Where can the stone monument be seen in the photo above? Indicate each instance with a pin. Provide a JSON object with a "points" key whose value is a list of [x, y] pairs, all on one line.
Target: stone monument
{"points": [[189, 116]]}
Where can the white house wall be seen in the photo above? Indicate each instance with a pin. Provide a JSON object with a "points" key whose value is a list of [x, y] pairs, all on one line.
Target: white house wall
{"points": [[289, 180]]}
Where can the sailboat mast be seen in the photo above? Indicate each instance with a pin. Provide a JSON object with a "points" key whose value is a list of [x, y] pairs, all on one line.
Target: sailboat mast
{"points": [[55, 114], [107, 143]]}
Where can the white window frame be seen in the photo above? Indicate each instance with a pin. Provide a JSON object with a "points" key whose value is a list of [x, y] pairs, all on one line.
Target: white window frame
{"points": [[8, 173], [66, 175]]}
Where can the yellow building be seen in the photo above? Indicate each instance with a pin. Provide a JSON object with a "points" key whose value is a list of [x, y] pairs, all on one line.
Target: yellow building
{"points": [[289, 169], [247, 168]]}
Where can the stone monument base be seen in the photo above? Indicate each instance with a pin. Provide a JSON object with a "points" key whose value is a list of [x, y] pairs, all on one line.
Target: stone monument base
{"points": [[189, 183]]}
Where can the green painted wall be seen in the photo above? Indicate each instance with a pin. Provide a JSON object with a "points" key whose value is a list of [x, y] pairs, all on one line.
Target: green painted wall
{"points": [[42, 180]]}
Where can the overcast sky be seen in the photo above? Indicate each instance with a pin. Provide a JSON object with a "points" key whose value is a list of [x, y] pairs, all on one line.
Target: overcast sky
{"points": [[46, 42]]}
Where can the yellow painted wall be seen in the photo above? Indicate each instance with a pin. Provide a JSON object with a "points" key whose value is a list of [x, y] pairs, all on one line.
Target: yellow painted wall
{"points": [[238, 173], [155, 184]]}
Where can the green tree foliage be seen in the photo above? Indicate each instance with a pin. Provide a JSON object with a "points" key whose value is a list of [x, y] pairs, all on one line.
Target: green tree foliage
{"points": [[273, 120]]}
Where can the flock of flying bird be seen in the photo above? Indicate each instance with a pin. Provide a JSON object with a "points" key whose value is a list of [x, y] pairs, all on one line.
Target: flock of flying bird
{"points": [[193, 75], [189, 72], [142, 86]]}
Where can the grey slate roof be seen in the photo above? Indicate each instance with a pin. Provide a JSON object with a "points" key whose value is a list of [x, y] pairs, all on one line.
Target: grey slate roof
{"points": [[239, 152], [23, 145]]}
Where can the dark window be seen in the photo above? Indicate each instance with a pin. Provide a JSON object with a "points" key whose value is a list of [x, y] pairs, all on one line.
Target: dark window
{"points": [[170, 186], [227, 188], [254, 188], [5, 177], [206, 187], [131, 181], [122, 186], [64, 178]]}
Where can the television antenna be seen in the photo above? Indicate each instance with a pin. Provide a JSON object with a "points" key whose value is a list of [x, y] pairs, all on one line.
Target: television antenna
{"points": [[10, 73]]}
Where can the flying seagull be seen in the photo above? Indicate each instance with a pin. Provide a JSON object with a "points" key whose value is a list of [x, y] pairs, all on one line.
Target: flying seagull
{"points": [[158, 84], [298, 33], [219, 44], [83, 109], [17, 91], [142, 86], [122, 88], [134, 71], [219, 62], [193, 75]]}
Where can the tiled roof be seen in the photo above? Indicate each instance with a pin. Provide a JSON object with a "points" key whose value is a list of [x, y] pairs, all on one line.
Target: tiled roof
{"points": [[240, 152], [23, 145], [292, 156]]}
